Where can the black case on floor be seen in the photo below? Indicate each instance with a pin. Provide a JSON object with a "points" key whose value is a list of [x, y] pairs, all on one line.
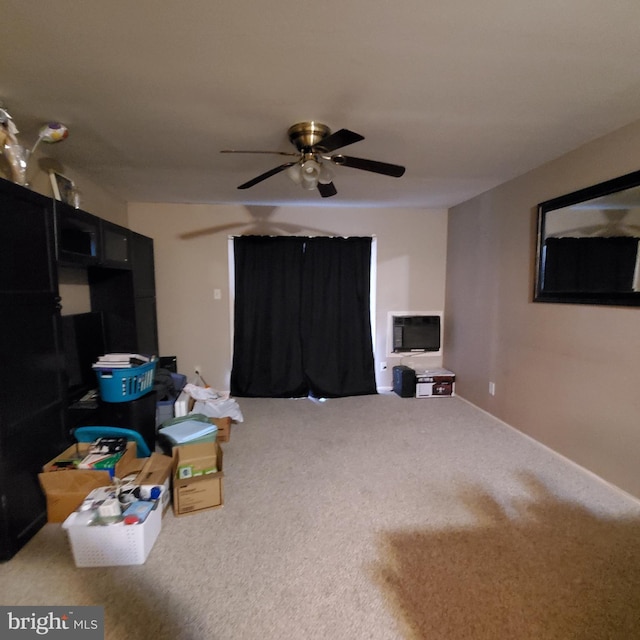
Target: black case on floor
{"points": [[404, 381]]}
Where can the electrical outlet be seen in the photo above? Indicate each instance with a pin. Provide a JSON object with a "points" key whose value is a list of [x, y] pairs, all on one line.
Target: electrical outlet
{"points": [[383, 366], [197, 369], [492, 388]]}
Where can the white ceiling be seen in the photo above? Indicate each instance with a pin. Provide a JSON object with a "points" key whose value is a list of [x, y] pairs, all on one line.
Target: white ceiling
{"points": [[465, 94]]}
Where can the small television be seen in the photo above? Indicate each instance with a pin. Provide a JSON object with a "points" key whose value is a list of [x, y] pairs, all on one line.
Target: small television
{"points": [[83, 341], [416, 333]]}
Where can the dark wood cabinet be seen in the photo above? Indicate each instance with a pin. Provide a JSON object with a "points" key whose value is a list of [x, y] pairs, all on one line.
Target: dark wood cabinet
{"points": [[32, 394], [37, 236]]}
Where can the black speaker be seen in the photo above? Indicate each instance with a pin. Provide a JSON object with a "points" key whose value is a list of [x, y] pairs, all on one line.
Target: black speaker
{"points": [[404, 381]]}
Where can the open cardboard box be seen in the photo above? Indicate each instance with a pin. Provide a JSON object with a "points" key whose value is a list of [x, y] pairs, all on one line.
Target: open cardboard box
{"points": [[202, 489], [224, 428], [224, 424], [65, 489], [154, 470]]}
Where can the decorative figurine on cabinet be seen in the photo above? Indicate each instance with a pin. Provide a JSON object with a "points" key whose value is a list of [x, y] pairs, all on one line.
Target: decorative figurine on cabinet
{"points": [[17, 155]]}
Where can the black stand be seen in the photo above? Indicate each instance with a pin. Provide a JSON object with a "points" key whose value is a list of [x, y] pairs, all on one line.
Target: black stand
{"points": [[138, 415]]}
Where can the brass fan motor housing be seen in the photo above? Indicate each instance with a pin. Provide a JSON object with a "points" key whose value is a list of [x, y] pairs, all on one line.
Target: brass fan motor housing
{"points": [[314, 142], [307, 134]]}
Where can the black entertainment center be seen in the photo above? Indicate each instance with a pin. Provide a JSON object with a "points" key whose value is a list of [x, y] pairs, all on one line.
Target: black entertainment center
{"points": [[46, 352]]}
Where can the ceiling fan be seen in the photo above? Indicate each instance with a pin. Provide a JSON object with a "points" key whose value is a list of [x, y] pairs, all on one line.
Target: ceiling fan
{"points": [[312, 165]]}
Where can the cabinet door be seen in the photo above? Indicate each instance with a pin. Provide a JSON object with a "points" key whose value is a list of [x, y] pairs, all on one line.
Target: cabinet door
{"points": [[23, 510], [127, 299], [31, 375], [143, 265], [115, 245], [111, 292], [146, 326], [77, 236], [144, 291], [26, 238], [31, 411], [32, 396]]}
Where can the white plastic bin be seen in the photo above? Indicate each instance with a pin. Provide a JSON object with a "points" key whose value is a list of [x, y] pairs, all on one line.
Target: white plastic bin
{"points": [[114, 544]]}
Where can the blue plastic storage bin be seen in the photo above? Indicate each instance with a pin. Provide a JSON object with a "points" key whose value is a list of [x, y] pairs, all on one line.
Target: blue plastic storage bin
{"points": [[122, 385]]}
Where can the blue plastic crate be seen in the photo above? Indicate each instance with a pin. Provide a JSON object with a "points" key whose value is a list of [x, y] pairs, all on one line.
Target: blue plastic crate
{"points": [[123, 385]]}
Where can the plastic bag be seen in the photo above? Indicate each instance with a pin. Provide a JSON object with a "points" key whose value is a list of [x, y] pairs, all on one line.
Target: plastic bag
{"points": [[210, 403], [200, 393], [219, 408]]}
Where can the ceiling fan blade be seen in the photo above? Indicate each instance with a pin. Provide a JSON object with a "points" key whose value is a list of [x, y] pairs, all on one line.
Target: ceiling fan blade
{"points": [[337, 140], [203, 232], [267, 174], [327, 190], [393, 170], [279, 153]]}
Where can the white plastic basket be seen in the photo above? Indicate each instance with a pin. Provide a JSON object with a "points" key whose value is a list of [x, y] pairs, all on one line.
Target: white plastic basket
{"points": [[114, 544]]}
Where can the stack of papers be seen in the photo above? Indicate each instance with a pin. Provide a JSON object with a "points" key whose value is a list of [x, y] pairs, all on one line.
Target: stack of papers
{"points": [[187, 431], [120, 361], [100, 460]]}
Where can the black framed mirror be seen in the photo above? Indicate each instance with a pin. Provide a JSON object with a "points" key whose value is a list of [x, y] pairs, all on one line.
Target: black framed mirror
{"points": [[588, 245]]}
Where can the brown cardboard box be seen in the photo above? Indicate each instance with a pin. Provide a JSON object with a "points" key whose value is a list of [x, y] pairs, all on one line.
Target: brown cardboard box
{"points": [[224, 424], [65, 489], [198, 489], [435, 382], [155, 470], [224, 429]]}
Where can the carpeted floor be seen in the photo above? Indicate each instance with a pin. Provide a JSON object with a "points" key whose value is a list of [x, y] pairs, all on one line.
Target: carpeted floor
{"points": [[374, 517]]}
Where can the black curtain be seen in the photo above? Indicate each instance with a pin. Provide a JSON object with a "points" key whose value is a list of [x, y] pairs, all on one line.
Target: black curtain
{"points": [[302, 323], [335, 322], [267, 354]]}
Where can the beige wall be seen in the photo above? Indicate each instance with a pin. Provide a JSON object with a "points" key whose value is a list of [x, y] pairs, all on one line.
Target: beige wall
{"points": [[191, 254], [567, 375]]}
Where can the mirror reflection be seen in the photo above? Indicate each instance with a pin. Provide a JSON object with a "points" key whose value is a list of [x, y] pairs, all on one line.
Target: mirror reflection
{"points": [[588, 245]]}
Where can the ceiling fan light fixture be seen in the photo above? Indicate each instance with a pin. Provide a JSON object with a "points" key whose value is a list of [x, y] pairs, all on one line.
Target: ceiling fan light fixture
{"points": [[309, 182], [310, 168], [326, 175], [295, 173]]}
